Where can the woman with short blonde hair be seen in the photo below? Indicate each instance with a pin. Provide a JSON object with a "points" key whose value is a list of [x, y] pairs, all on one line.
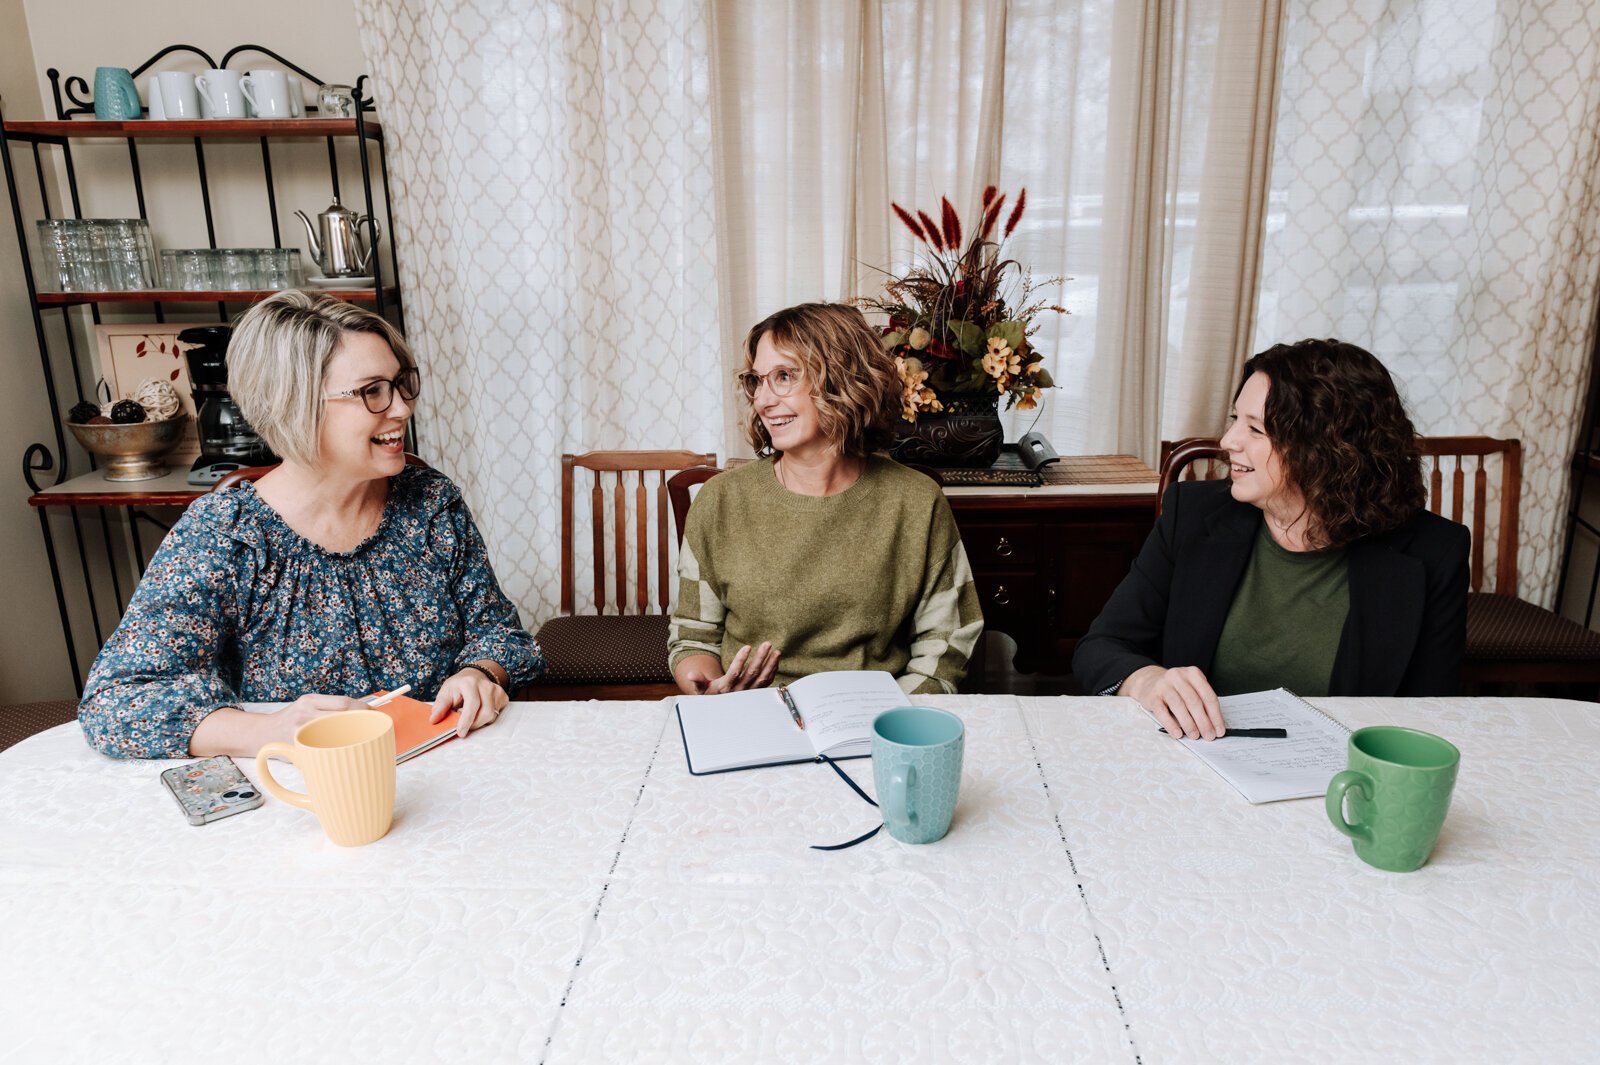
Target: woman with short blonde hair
{"points": [[341, 572], [278, 359], [822, 555]]}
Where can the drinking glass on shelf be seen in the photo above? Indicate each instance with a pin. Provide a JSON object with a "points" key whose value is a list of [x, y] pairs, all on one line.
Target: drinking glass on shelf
{"points": [[280, 268], [189, 269], [58, 254], [129, 254], [236, 269]]}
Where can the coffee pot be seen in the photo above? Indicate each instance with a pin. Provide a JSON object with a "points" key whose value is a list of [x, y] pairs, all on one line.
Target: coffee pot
{"points": [[336, 241]]}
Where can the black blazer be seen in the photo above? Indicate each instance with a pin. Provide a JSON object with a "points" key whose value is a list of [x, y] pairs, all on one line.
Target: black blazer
{"points": [[1405, 633]]}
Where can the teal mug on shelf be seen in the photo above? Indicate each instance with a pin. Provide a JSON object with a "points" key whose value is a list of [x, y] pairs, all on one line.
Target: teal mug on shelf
{"points": [[116, 98], [1397, 790], [916, 766]]}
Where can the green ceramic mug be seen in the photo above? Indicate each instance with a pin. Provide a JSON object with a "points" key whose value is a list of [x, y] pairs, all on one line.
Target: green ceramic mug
{"points": [[916, 765], [1398, 789]]}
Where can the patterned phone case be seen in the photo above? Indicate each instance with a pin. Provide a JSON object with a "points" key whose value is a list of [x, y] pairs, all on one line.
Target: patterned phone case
{"points": [[211, 789]]}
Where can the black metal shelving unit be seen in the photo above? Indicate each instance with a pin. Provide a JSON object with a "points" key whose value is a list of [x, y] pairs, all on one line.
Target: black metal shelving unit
{"points": [[28, 148]]}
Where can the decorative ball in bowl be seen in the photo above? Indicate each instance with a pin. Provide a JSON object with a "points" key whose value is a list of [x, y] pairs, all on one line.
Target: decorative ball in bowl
{"points": [[132, 451]]}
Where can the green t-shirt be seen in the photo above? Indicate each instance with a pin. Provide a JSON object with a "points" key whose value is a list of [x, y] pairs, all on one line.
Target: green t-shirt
{"points": [[1284, 625]]}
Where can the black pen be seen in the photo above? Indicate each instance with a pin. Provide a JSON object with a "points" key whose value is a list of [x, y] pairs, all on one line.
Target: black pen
{"points": [[794, 711], [1255, 733]]}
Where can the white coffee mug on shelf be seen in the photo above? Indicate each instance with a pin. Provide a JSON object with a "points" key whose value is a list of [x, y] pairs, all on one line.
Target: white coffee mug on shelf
{"points": [[158, 113], [297, 98], [268, 93], [220, 93], [180, 100]]}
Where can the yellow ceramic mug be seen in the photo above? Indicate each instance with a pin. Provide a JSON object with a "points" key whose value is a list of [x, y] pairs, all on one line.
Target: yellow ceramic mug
{"points": [[347, 760]]}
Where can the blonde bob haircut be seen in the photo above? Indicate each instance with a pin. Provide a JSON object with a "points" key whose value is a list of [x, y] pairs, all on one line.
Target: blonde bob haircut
{"points": [[843, 365], [278, 365]]}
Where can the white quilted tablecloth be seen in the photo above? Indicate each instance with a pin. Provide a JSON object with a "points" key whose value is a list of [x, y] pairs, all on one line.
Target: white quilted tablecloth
{"points": [[558, 888]]}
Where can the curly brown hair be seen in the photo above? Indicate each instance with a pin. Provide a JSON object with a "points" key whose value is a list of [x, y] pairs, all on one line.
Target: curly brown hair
{"points": [[851, 378], [1347, 444]]}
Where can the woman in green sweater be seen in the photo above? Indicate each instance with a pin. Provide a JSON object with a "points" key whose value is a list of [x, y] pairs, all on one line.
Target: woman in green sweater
{"points": [[822, 555]]}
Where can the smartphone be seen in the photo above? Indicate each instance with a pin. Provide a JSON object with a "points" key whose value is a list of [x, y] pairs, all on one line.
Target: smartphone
{"points": [[211, 789]]}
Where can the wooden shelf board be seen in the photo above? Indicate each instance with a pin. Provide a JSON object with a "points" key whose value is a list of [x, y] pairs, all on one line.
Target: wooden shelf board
{"points": [[93, 490], [59, 299], [206, 128]]}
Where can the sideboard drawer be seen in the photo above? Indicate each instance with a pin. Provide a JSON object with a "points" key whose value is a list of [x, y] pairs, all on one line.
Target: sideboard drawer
{"points": [[1008, 544], [1007, 595]]}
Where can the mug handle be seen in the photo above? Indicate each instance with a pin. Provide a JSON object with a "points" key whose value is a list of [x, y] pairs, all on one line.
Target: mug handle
{"points": [[1341, 783], [897, 804], [130, 97], [284, 750], [203, 83], [248, 88]]}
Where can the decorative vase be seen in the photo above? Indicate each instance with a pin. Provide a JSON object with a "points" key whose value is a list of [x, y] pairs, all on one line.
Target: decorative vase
{"points": [[967, 437]]}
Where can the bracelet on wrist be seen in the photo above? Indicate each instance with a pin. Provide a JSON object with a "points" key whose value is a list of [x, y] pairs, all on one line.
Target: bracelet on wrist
{"points": [[486, 672]]}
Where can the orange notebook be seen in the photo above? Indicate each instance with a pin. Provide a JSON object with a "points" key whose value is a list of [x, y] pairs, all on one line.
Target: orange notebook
{"points": [[413, 735]]}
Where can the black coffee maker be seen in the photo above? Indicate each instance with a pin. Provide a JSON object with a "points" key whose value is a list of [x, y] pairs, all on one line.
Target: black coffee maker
{"points": [[227, 442]]}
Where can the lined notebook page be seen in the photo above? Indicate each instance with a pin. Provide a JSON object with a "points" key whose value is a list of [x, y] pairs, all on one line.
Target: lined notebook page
{"points": [[751, 727]]}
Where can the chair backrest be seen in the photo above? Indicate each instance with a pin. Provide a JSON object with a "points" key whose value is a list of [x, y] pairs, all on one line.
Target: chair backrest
{"points": [[1495, 485], [622, 464], [1446, 462], [678, 486], [1196, 458], [255, 473]]}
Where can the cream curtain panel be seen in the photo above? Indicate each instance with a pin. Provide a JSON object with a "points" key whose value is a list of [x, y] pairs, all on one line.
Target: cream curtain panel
{"points": [[1436, 198], [554, 208], [596, 200]]}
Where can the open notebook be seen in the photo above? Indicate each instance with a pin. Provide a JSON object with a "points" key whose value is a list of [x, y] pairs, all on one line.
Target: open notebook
{"points": [[748, 729]]}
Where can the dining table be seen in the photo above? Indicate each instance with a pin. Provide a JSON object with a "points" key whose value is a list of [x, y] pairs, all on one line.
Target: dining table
{"points": [[557, 887]]}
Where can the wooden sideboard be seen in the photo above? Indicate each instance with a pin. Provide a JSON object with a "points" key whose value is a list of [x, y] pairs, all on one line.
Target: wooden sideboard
{"points": [[1046, 559]]}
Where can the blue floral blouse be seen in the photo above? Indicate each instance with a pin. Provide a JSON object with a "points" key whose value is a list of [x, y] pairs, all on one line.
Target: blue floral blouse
{"points": [[238, 607]]}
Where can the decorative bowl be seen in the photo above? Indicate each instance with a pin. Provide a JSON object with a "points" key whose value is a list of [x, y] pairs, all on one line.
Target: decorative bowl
{"points": [[132, 452]]}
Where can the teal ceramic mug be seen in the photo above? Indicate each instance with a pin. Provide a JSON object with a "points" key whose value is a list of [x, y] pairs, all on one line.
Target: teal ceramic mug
{"points": [[1397, 790], [916, 765], [116, 98]]}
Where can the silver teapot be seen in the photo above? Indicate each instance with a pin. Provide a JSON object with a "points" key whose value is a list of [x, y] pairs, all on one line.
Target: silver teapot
{"points": [[336, 242]]}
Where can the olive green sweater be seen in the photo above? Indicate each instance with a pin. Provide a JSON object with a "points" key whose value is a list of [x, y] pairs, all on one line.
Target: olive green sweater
{"points": [[872, 578]]}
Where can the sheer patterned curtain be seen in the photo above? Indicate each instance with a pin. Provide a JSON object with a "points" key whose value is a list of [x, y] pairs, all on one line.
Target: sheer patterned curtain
{"points": [[1127, 123], [597, 200], [1436, 199], [553, 179]]}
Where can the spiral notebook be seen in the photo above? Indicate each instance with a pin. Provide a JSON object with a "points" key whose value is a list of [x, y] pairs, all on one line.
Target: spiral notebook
{"points": [[1298, 767]]}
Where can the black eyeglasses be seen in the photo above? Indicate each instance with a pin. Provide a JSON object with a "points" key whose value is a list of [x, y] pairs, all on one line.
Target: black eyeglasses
{"points": [[782, 381], [379, 395]]}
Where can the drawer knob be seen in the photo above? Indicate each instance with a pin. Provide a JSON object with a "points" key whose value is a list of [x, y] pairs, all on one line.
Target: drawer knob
{"points": [[1002, 547], [1001, 596]]}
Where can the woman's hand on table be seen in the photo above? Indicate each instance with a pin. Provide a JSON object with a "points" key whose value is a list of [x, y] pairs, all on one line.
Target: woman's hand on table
{"points": [[480, 700], [1180, 697], [749, 669]]}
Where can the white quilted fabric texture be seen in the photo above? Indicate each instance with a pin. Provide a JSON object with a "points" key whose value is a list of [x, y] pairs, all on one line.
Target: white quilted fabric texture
{"points": [[559, 888]]}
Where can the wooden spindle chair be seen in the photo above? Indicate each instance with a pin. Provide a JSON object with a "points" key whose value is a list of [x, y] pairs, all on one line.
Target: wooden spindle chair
{"points": [[613, 653]]}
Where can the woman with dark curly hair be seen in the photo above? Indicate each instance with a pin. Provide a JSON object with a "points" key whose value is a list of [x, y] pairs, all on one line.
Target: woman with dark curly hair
{"points": [[1315, 567], [823, 554]]}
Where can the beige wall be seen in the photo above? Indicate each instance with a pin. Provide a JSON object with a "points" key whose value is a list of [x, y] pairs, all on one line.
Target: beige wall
{"points": [[33, 662], [75, 36]]}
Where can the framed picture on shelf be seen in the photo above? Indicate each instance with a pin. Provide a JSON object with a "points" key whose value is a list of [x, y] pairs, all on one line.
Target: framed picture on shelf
{"points": [[132, 353]]}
